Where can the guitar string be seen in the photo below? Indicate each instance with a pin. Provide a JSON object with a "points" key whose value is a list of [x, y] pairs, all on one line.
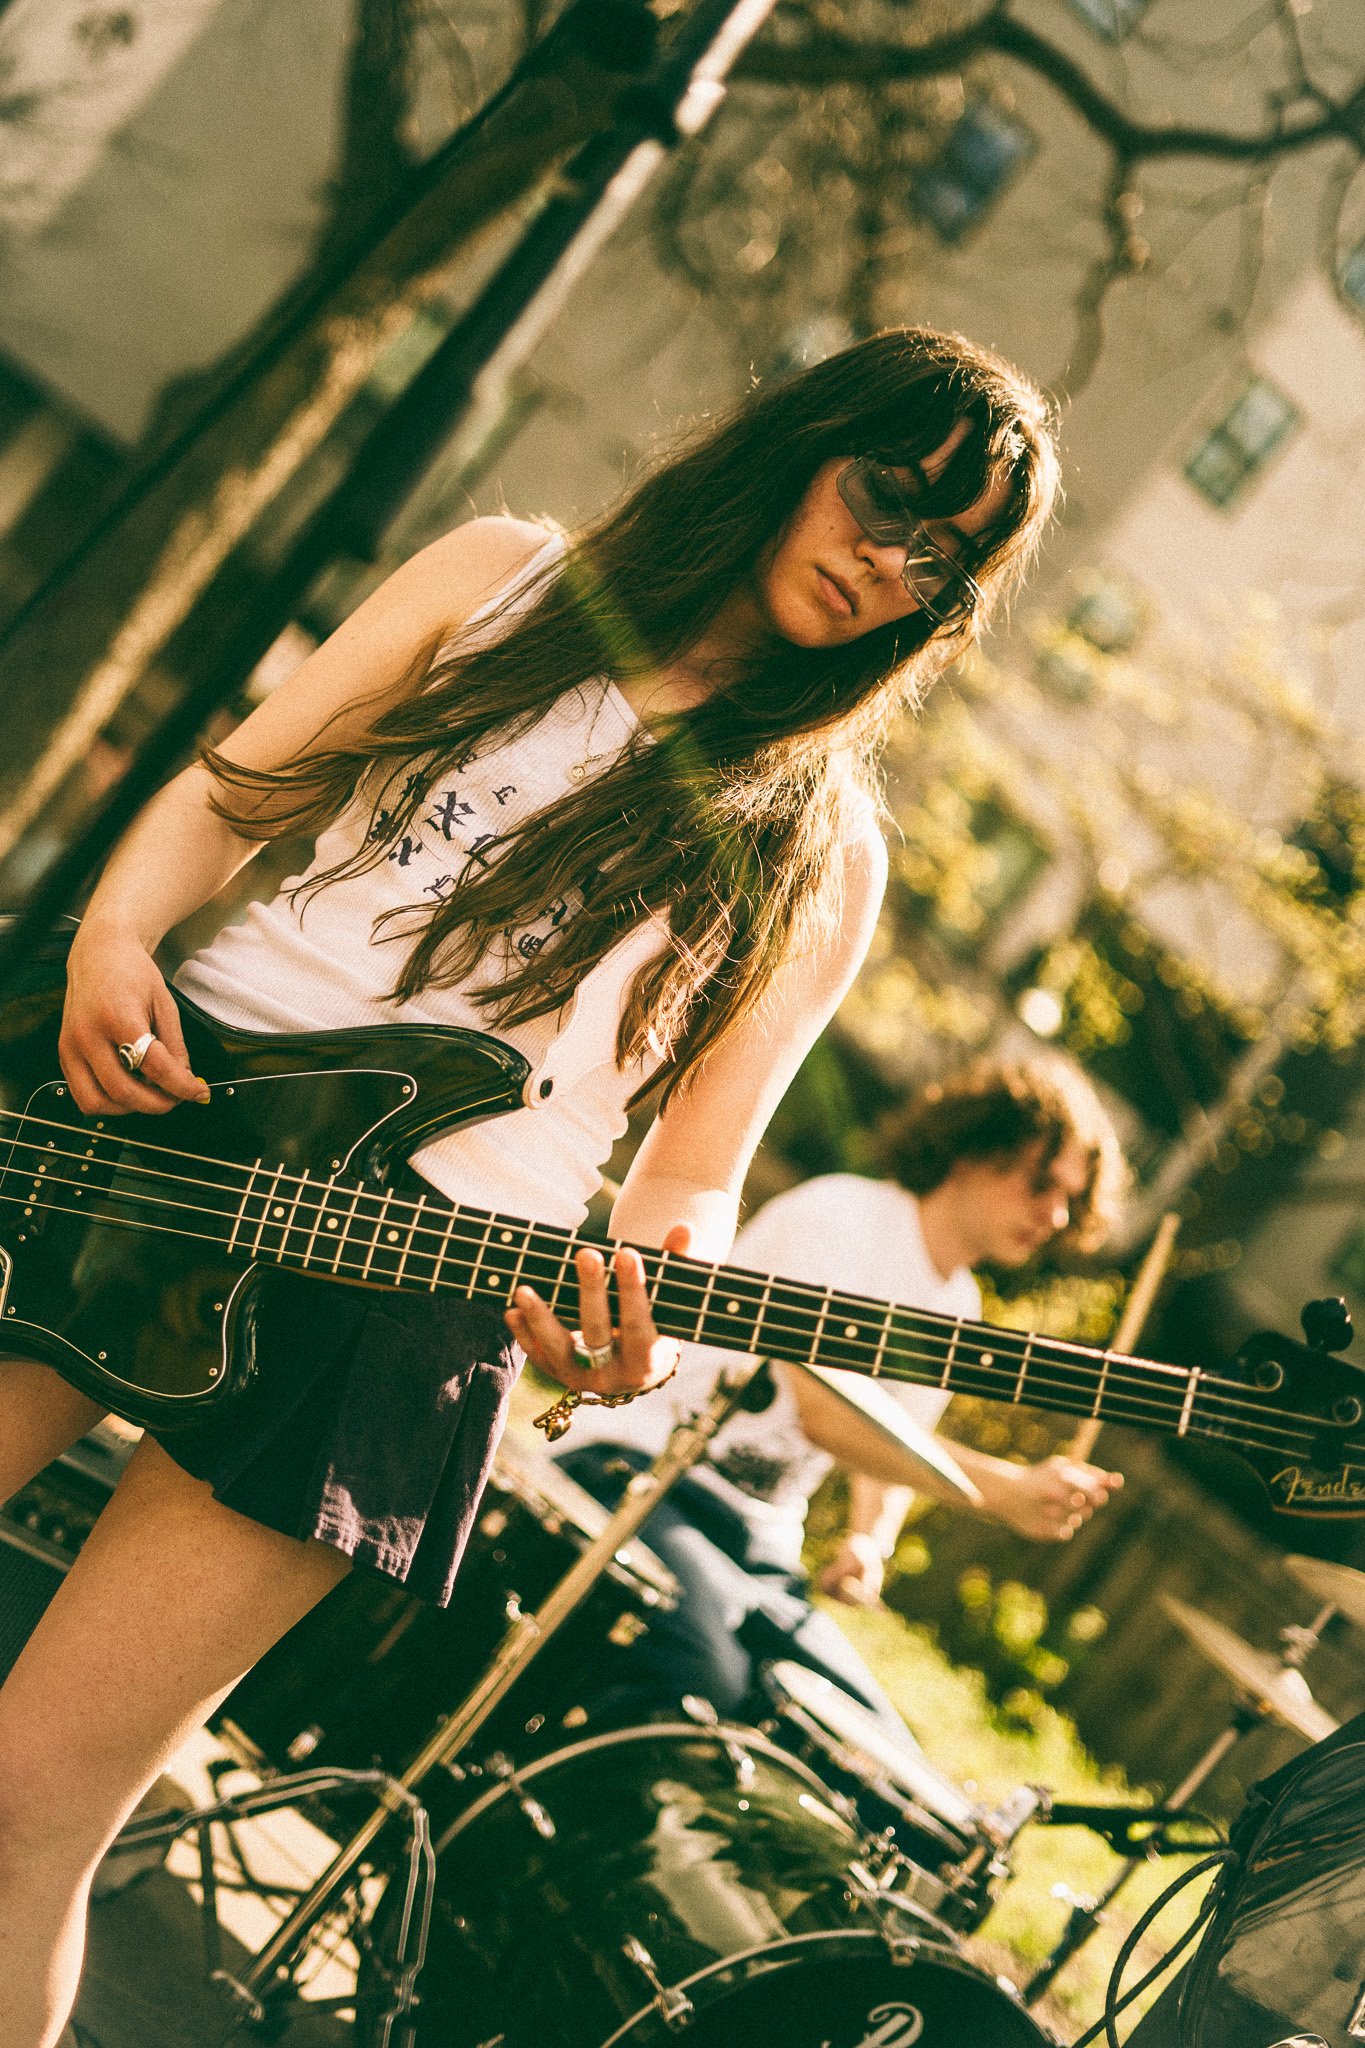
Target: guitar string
{"points": [[1126, 1408], [1001, 1337], [298, 1215], [1148, 1376], [1139, 1406]]}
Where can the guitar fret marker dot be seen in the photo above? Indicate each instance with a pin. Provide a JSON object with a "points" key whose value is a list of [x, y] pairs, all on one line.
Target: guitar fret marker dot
{"points": [[331, 1223], [504, 1237], [278, 1209], [986, 1358], [392, 1236], [732, 1308], [850, 1329]]}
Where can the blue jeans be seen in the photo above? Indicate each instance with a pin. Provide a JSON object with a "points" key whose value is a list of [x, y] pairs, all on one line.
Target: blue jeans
{"points": [[736, 1612]]}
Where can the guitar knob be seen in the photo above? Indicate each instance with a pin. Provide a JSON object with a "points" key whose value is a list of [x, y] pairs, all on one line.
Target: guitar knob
{"points": [[1327, 1324]]}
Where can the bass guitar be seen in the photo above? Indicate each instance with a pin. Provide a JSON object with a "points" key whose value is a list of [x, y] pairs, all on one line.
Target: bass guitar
{"points": [[129, 1249]]}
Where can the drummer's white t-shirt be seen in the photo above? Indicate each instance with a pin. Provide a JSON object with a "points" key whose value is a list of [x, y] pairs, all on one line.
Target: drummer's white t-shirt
{"points": [[861, 1236]]}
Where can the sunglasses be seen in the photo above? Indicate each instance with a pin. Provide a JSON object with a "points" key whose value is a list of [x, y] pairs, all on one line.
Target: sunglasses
{"points": [[937, 581]]}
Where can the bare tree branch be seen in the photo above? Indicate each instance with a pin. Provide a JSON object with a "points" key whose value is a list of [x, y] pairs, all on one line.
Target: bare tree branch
{"points": [[823, 59], [1124, 253]]}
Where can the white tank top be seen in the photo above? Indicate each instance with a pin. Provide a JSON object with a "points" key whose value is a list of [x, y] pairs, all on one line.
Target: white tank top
{"points": [[316, 964]]}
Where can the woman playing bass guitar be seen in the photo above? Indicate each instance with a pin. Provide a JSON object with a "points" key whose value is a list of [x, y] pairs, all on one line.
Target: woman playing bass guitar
{"points": [[609, 798]]}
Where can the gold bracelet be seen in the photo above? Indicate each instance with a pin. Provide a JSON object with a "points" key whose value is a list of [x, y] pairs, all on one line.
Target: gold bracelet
{"points": [[557, 1418]]}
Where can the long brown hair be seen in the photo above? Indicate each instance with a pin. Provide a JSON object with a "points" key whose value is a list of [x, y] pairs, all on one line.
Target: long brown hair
{"points": [[729, 819]]}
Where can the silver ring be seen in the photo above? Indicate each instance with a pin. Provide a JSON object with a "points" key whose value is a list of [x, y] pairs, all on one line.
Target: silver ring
{"points": [[593, 1357], [133, 1055]]}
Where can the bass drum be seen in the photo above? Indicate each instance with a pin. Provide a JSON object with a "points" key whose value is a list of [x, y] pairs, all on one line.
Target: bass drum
{"points": [[840, 1991], [675, 1879]]}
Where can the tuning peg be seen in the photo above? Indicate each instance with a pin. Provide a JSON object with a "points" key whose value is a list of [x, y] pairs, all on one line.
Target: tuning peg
{"points": [[1327, 1324]]}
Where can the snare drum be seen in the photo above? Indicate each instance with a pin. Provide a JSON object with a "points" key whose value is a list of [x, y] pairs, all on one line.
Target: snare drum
{"points": [[678, 1881], [955, 1847], [364, 1678]]}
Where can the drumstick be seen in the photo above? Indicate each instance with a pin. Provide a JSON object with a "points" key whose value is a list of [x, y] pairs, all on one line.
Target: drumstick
{"points": [[1136, 1310]]}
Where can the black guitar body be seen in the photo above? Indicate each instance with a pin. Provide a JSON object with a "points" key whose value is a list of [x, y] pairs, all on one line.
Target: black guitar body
{"points": [[158, 1324]]}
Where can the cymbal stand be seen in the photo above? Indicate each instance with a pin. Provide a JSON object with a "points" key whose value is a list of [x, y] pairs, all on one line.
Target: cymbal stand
{"points": [[526, 1636], [1300, 1643], [1088, 1914]]}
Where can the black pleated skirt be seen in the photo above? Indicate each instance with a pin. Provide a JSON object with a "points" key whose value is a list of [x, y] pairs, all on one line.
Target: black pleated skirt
{"points": [[370, 1424]]}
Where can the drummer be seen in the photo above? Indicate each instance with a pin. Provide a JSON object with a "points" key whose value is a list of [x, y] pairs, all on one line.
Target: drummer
{"points": [[991, 1167]]}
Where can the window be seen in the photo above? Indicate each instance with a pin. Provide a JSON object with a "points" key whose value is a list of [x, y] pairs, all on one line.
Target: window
{"points": [[1353, 276], [1227, 459], [1112, 18], [984, 150]]}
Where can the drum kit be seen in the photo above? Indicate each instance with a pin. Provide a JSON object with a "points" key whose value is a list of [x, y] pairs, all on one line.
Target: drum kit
{"points": [[807, 1880]]}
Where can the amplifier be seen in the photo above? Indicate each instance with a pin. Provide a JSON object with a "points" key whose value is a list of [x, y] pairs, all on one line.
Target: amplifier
{"points": [[43, 1527]]}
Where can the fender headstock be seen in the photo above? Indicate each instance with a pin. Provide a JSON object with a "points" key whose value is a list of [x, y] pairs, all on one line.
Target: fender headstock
{"points": [[1305, 1436]]}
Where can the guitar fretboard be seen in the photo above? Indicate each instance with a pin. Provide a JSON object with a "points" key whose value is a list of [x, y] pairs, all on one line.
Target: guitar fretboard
{"points": [[349, 1231]]}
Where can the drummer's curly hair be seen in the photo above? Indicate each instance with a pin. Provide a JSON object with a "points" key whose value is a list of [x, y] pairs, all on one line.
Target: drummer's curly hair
{"points": [[993, 1110]]}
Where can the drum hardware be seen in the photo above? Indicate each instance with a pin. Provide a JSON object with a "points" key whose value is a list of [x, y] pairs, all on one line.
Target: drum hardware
{"points": [[409, 1924], [502, 1768], [674, 2006], [704, 1714], [951, 1855], [1271, 1690], [526, 1635]]}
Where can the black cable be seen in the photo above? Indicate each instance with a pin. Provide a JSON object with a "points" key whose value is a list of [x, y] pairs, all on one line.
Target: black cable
{"points": [[1107, 2024]]}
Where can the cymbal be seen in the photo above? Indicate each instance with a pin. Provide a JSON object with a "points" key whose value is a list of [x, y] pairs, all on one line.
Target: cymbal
{"points": [[1339, 1583], [873, 1409], [1280, 1691]]}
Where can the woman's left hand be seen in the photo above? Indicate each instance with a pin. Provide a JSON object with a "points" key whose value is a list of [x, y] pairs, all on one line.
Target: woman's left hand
{"points": [[640, 1357]]}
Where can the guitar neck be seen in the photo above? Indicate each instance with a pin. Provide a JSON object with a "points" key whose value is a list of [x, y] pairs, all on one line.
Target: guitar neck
{"points": [[381, 1239]]}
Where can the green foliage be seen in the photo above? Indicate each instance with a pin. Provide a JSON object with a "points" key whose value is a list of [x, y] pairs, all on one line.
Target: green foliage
{"points": [[1003, 1630], [1159, 845]]}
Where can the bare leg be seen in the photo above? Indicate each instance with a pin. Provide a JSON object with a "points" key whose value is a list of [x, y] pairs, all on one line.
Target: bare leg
{"points": [[173, 1597], [40, 1417]]}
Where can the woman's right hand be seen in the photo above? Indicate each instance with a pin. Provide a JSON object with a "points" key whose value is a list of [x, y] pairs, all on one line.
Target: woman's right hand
{"points": [[115, 992]]}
